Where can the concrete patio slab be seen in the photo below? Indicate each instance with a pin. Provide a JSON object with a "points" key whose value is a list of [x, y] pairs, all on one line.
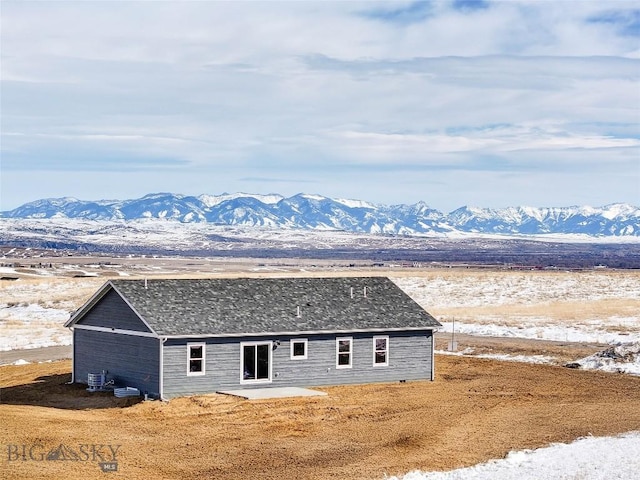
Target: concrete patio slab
{"points": [[275, 392]]}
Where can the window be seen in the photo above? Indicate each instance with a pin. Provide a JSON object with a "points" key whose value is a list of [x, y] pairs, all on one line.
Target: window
{"points": [[380, 351], [343, 352], [195, 358], [299, 349], [255, 362]]}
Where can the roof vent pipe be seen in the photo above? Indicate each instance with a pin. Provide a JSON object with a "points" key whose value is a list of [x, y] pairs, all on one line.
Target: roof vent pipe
{"points": [[365, 292], [298, 312], [351, 292], [145, 283]]}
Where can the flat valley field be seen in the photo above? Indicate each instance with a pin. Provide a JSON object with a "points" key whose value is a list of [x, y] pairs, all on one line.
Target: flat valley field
{"points": [[504, 388]]}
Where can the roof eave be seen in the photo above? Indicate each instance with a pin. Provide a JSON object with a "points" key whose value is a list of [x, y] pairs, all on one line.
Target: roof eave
{"points": [[302, 332]]}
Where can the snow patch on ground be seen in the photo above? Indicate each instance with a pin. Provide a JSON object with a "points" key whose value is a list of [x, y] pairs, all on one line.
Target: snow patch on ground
{"points": [[468, 352], [32, 326], [591, 458], [24, 272], [624, 358], [583, 333], [21, 362]]}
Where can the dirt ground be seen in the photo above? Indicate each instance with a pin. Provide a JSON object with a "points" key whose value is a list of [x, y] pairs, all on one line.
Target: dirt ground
{"points": [[475, 410]]}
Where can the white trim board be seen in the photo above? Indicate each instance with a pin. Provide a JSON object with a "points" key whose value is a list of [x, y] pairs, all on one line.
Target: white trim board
{"points": [[117, 331]]}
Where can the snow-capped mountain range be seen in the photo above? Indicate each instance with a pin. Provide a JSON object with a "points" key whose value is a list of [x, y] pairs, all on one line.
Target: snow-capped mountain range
{"points": [[316, 212]]}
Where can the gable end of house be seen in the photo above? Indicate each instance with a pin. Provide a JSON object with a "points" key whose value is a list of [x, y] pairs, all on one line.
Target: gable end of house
{"points": [[109, 310]]}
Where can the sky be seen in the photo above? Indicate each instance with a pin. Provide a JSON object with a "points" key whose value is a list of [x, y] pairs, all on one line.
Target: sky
{"points": [[461, 102]]}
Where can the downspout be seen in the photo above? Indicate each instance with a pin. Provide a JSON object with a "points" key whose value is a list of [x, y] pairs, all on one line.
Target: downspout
{"points": [[433, 355], [161, 377], [73, 356]]}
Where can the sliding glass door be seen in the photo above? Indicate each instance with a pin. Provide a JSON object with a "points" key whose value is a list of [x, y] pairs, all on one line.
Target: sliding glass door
{"points": [[255, 362]]}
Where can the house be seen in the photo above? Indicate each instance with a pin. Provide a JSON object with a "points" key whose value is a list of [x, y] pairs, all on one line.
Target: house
{"points": [[170, 338]]}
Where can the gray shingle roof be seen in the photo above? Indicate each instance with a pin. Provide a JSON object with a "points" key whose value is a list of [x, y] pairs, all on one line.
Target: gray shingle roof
{"points": [[253, 306]]}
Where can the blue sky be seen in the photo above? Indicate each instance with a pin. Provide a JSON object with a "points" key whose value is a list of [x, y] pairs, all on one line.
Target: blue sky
{"points": [[460, 102]]}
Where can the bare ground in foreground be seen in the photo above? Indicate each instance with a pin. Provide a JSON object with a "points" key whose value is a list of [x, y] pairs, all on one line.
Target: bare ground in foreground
{"points": [[475, 410]]}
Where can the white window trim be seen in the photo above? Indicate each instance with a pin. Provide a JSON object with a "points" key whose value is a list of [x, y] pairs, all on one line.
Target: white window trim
{"points": [[260, 380], [386, 363], [306, 348], [338, 340], [204, 357]]}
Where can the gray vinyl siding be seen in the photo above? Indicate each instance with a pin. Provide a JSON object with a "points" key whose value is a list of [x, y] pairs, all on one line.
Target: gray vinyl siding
{"points": [[112, 311], [410, 358], [130, 360], [222, 367]]}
